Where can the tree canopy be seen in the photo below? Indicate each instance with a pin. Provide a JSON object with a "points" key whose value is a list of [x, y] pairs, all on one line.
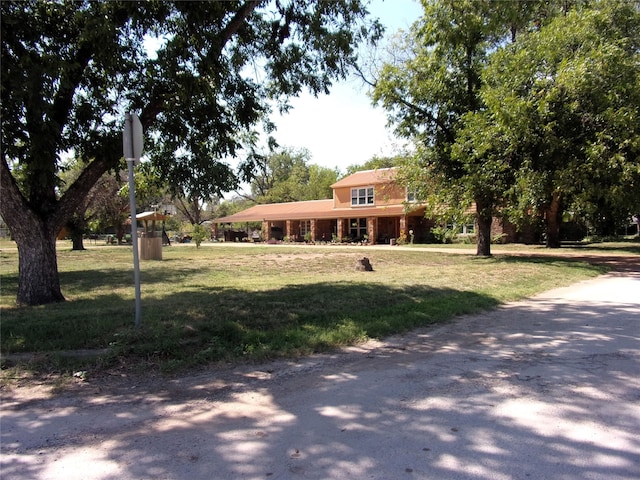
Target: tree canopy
{"points": [[520, 106], [287, 176], [377, 162], [429, 87], [71, 70], [567, 98]]}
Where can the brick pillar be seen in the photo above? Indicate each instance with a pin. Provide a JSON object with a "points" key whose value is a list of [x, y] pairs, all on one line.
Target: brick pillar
{"points": [[287, 230], [266, 231], [340, 229], [372, 229], [214, 230], [313, 229]]}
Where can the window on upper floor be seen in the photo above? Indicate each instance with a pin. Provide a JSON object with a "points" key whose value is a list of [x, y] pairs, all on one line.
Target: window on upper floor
{"points": [[411, 196], [362, 196]]}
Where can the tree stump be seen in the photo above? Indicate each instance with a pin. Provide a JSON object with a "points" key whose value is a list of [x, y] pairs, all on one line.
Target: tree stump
{"points": [[363, 265]]}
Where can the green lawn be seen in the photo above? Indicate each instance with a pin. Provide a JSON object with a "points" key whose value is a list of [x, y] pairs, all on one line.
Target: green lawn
{"points": [[252, 302]]}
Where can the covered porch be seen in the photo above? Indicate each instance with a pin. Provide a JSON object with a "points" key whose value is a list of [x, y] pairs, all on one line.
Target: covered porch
{"points": [[319, 222]]}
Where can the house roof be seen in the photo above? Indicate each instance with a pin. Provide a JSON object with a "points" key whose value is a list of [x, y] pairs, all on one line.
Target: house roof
{"points": [[367, 177], [280, 211], [316, 209], [323, 209], [151, 216]]}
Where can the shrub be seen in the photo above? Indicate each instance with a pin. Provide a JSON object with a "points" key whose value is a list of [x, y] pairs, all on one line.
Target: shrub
{"points": [[198, 235], [499, 238], [443, 234]]}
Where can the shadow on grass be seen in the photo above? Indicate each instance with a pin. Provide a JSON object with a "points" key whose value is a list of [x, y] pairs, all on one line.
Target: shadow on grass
{"points": [[549, 259], [204, 325], [631, 246], [83, 280]]}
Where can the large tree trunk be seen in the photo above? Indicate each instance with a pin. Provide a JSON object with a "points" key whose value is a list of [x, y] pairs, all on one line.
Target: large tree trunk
{"points": [[77, 241], [553, 220], [35, 235], [35, 229], [77, 228], [120, 233], [38, 280], [484, 219]]}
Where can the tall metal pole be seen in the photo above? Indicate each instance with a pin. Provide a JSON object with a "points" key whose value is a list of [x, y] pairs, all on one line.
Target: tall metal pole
{"points": [[134, 239], [132, 146]]}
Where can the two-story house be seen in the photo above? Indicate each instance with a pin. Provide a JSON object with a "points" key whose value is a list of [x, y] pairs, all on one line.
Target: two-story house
{"points": [[366, 205]]}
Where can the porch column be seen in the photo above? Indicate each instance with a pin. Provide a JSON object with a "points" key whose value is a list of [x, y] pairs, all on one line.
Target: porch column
{"points": [[403, 226], [313, 229], [340, 229], [287, 230], [372, 229], [266, 231], [214, 230]]}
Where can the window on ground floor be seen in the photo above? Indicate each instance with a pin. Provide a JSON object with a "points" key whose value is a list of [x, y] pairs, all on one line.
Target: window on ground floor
{"points": [[305, 227], [464, 229], [357, 227]]}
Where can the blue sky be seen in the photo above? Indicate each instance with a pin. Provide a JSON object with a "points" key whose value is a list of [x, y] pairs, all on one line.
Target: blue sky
{"points": [[342, 128]]}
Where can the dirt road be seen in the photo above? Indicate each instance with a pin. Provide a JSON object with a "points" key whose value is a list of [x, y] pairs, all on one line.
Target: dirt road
{"points": [[547, 388]]}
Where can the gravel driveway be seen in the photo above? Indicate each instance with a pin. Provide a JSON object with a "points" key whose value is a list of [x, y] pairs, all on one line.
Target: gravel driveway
{"points": [[547, 388]]}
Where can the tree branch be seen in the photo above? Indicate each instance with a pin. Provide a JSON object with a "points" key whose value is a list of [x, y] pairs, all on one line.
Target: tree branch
{"points": [[185, 210], [157, 104], [13, 205], [245, 196], [412, 106], [80, 188], [236, 23]]}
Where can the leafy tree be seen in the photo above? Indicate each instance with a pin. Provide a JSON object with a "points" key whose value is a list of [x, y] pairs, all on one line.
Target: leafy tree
{"points": [[434, 92], [320, 181], [195, 210], [150, 188], [231, 206], [281, 176], [109, 206], [431, 89], [70, 70], [151, 191], [77, 224], [199, 234], [567, 96], [377, 162], [286, 176]]}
